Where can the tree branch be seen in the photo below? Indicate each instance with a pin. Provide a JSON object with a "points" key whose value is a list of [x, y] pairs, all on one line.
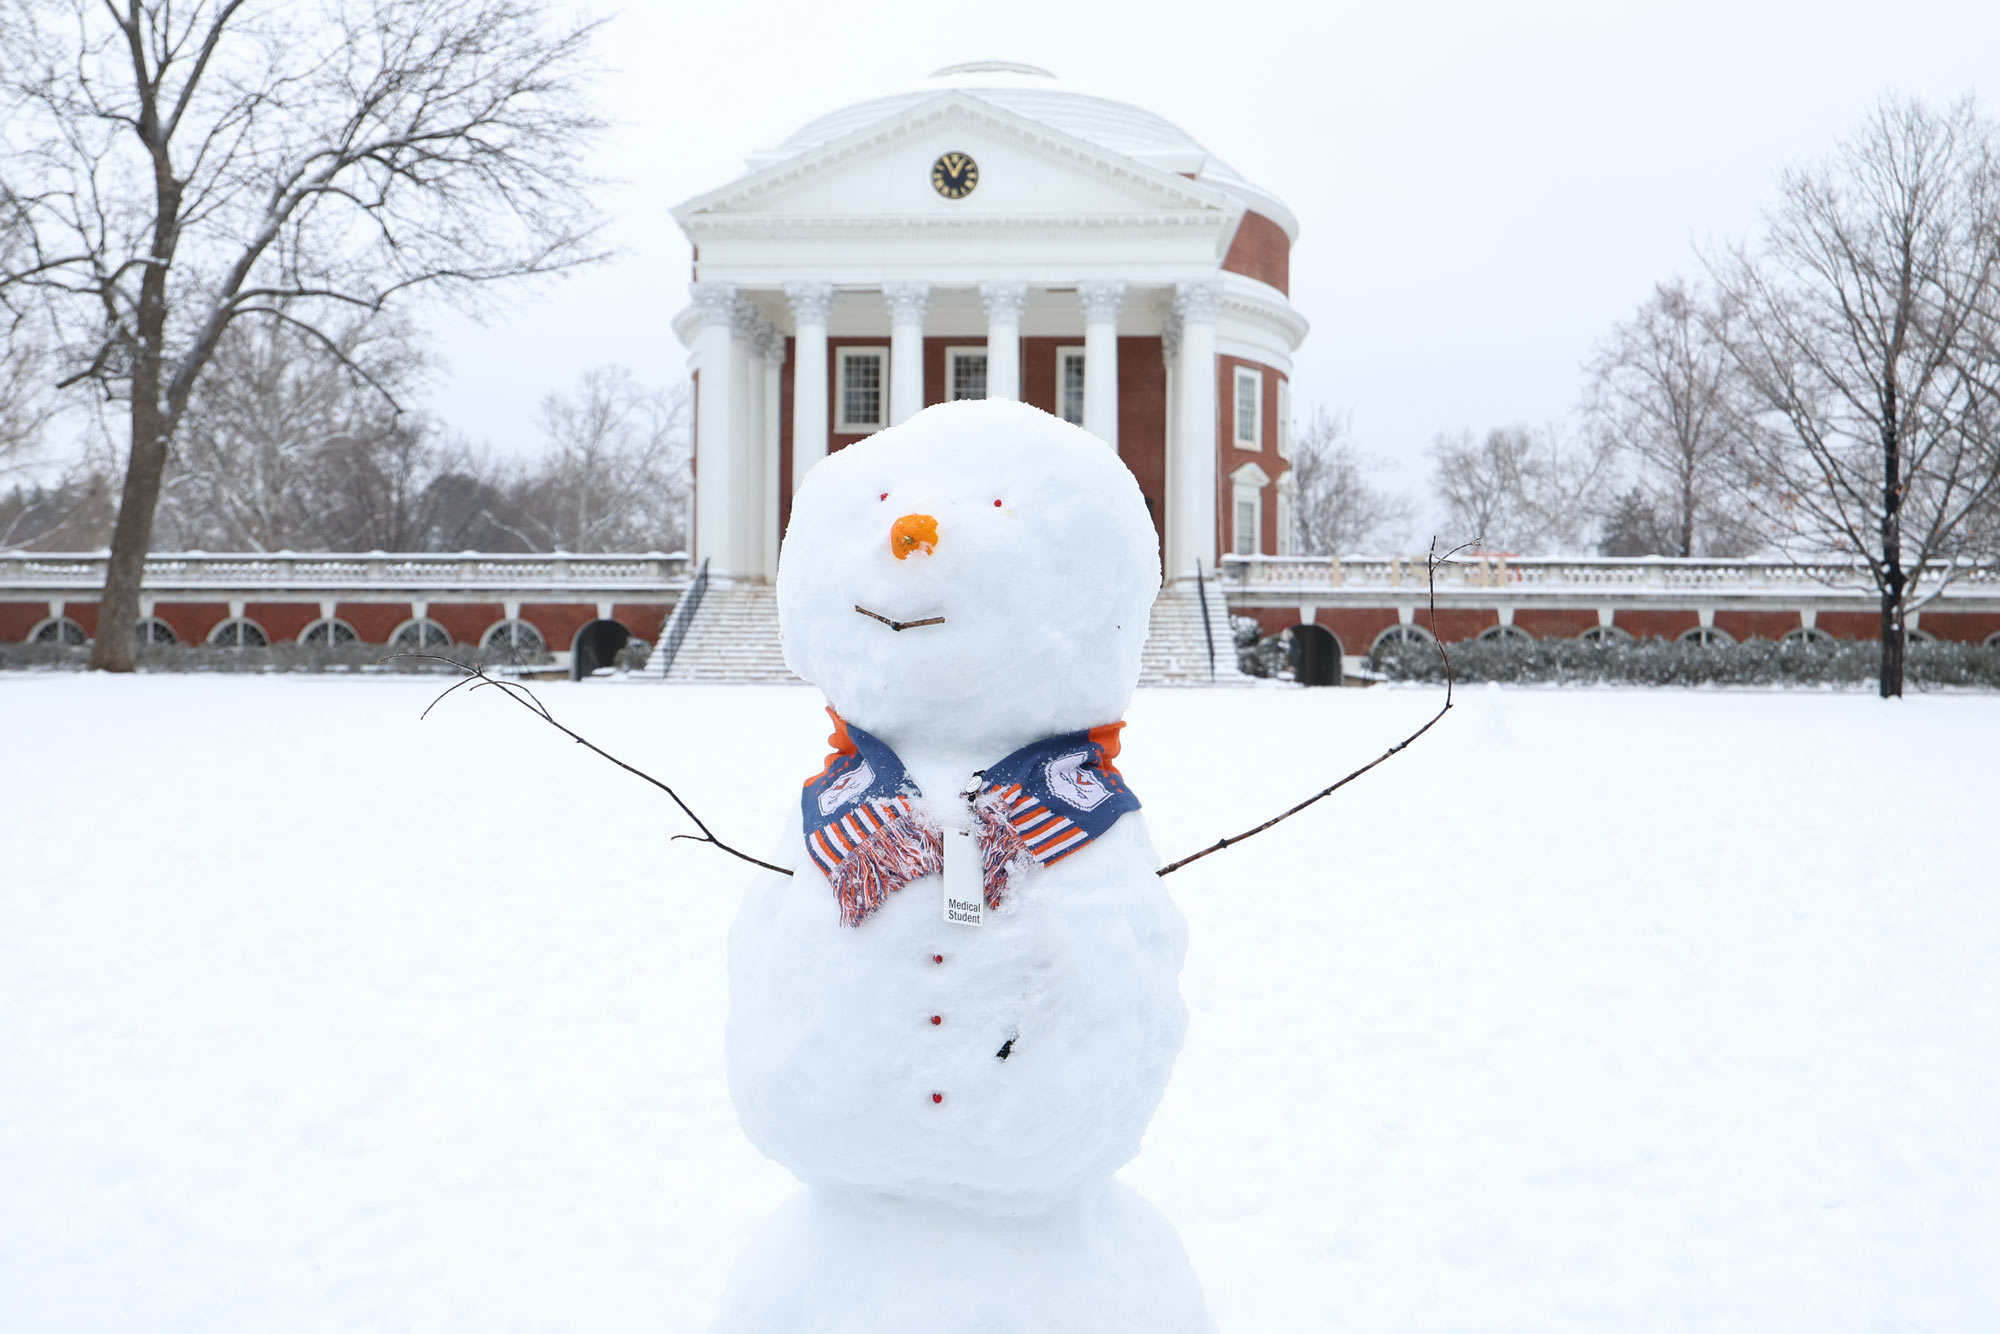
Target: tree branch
{"points": [[476, 678], [1431, 569]]}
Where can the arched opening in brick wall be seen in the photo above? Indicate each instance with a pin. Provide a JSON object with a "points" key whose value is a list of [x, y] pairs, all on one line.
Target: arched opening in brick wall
{"points": [[1315, 655], [596, 645]]}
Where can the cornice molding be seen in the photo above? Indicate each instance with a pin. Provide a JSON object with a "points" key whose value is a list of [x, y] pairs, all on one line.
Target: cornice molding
{"points": [[752, 224]]}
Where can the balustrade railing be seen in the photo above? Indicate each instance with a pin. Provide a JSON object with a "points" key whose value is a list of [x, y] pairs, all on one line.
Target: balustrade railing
{"points": [[1552, 575], [373, 569]]}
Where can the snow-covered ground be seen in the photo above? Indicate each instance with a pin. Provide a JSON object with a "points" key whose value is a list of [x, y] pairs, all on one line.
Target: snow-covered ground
{"points": [[1596, 1010]]}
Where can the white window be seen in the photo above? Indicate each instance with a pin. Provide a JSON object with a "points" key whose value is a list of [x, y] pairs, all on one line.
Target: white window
{"points": [[1247, 509], [1288, 541], [239, 632], [1069, 384], [1284, 419], [965, 372], [863, 390], [1249, 409], [329, 633]]}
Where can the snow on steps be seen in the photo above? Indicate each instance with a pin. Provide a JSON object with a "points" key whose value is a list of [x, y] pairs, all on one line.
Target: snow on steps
{"points": [[734, 637], [1176, 652]]}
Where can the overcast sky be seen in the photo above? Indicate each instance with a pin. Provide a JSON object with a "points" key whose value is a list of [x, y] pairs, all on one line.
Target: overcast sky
{"points": [[1483, 189]]}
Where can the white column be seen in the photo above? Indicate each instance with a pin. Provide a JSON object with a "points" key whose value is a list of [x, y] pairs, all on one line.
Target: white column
{"points": [[767, 494], [1003, 302], [1191, 482], [907, 303], [715, 401], [1100, 302], [811, 304], [743, 477]]}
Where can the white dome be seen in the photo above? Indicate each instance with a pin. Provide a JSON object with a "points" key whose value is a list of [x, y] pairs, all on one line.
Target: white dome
{"points": [[1035, 94]]}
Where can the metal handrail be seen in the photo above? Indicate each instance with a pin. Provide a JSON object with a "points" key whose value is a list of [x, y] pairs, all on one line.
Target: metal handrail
{"points": [[1201, 592], [677, 625]]}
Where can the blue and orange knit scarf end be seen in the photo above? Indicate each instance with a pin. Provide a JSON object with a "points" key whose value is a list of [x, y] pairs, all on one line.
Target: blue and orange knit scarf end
{"points": [[868, 833]]}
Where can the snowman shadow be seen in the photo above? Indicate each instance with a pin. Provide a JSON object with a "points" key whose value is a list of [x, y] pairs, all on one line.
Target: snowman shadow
{"points": [[1108, 1262]]}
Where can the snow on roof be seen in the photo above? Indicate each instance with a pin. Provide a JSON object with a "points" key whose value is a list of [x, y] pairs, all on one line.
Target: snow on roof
{"points": [[1035, 94]]}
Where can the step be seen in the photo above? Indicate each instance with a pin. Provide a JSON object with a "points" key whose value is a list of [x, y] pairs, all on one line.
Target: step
{"points": [[734, 638]]}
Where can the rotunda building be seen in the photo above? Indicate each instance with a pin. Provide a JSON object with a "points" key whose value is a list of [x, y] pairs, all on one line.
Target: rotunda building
{"points": [[993, 234]]}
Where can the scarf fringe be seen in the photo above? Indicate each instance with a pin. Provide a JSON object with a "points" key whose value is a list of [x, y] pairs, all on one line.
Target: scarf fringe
{"points": [[899, 851]]}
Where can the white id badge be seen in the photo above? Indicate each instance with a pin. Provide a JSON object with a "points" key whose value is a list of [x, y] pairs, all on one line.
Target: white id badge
{"points": [[964, 886]]}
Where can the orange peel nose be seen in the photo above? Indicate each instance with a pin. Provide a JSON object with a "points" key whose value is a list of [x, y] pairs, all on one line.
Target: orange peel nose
{"points": [[913, 532]]}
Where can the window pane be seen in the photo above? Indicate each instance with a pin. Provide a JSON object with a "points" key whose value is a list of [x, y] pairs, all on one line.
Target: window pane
{"points": [[968, 375], [1246, 408], [1072, 388], [861, 389], [1246, 527]]}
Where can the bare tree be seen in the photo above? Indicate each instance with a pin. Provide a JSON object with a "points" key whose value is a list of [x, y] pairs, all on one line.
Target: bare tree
{"points": [[615, 474], [1869, 340], [1521, 488], [176, 167], [1661, 393], [1337, 507], [280, 430]]}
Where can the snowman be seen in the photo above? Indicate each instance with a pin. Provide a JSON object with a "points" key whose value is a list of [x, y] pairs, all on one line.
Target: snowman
{"points": [[955, 1019]]}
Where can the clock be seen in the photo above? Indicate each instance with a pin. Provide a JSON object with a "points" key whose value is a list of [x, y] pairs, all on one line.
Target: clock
{"points": [[954, 175]]}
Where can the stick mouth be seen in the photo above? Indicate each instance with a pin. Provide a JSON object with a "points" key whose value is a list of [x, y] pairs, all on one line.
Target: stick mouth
{"points": [[897, 625]]}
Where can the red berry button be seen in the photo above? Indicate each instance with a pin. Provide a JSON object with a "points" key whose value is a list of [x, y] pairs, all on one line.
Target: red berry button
{"points": [[937, 1097], [937, 958], [937, 1019]]}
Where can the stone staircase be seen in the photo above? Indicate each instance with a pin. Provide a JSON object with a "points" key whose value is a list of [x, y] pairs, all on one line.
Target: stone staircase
{"points": [[1176, 652], [733, 637]]}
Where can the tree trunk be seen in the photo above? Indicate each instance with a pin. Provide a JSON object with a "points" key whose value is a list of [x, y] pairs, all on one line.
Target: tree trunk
{"points": [[131, 539], [1894, 580], [1892, 646]]}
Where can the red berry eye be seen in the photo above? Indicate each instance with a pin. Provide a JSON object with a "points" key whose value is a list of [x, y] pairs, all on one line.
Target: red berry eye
{"points": [[996, 504], [883, 496]]}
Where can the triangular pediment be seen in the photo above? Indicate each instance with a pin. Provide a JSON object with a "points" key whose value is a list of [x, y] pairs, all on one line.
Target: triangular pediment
{"points": [[1026, 169]]}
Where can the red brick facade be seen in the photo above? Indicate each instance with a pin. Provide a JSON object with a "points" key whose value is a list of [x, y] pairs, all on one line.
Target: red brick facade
{"points": [[1233, 456], [1261, 250]]}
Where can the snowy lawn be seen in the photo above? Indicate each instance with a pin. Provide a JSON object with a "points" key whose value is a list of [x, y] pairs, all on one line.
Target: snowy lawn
{"points": [[1596, 1010]]}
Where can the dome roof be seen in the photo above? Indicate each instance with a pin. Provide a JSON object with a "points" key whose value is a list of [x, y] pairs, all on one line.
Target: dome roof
{"points": [[1035, 94]]}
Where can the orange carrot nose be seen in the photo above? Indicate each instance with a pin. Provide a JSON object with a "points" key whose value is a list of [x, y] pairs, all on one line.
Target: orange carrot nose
{"points": [[913, 532]]}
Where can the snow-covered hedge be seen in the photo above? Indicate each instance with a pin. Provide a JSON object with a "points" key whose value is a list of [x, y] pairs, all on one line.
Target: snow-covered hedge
{"points": [[1256, 655], [1660, 662], [276, 658]]}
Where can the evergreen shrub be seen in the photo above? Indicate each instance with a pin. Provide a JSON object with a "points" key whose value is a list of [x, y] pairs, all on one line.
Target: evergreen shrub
{"points": [[1662, 662]]}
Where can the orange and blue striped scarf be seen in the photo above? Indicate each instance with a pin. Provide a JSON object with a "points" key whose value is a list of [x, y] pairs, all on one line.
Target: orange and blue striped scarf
{"points": [[1039, 805]]}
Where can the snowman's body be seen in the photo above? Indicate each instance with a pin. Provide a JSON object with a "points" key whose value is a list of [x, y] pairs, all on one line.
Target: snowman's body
{"points": [[834, 1058], [1004, 1070]]}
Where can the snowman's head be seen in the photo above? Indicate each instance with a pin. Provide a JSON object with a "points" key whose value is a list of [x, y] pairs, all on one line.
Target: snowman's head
{"points": [[1013, 548]]}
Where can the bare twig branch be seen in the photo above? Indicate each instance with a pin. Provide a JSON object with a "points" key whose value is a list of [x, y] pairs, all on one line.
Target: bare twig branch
{"points": [[476, 678], [1431, 569]]}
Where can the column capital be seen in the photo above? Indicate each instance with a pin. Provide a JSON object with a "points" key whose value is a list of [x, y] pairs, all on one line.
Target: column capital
{"points": [[907, 302], [1196, 302], [811, 302], [1100, 300], [746, 319], [769, 342], [715, 301], [1003, 301], [1170, 335]]}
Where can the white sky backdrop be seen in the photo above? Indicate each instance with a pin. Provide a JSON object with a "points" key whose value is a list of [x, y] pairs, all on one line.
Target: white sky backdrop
{"points": [[1483, 189]]}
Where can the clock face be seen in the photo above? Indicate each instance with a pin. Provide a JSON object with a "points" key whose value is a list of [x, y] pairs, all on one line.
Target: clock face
{"points": [[954, 175]]}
